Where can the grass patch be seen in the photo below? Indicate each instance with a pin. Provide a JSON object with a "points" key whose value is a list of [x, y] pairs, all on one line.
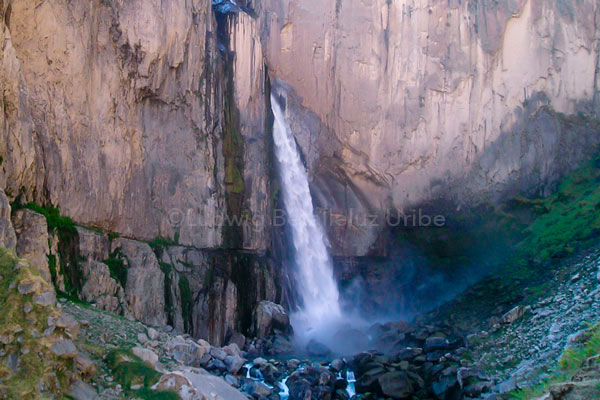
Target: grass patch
{"points": [[117, 267], [571, 362]]}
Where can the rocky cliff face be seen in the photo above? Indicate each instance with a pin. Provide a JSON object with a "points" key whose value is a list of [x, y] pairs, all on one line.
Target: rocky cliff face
{"points": [[419, 100], [151, 119]]}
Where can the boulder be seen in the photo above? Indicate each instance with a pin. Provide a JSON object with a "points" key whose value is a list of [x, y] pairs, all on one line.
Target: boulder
{"points": [[101, 289], [234, 364], [145, 355], [64, 348], [197, 384], [83, 391], [268, 317], [317, 349]]}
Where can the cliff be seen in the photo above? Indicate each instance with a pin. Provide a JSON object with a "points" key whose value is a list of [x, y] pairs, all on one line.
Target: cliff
{"points": [[151, 120]]}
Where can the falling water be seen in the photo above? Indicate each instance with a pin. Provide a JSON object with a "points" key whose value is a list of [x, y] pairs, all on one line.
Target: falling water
{"points": [[317, 286]]}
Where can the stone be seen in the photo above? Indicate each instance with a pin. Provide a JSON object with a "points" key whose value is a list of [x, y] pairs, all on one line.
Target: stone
{"points": [[145, 355], [64, 348], [238, 339], [257, 389], [396, 385], [217, 353], [513, 315], [142, 338], [316, 349], [234, 364], [337, 365], [269, 316], [46, 299], [83, 391], [153, 334], [196, 384], [84, 364], [232, 350], [29, 285]]}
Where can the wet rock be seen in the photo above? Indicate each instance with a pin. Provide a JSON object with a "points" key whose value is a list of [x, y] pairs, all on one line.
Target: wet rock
{"points": [[436, 343], [234, 364], [268, 317], [257, 389], [396, 385], [218, 353], [317, 349], [337, 365], [446, 388]]}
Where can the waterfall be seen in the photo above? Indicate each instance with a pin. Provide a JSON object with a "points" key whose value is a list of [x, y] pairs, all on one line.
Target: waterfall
{"points": [[317, 287]]}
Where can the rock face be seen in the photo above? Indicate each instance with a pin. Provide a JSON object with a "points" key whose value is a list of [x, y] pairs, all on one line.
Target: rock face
{"points": [[401, 103], [130, 102], [32, 239], [8, 238], [145, 282]]}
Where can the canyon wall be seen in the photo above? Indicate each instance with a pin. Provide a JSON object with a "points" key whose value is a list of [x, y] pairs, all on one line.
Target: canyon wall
{"points": [[421, 100], [151, 119]]}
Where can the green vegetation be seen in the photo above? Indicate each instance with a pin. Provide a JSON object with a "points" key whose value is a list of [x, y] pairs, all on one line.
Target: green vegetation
{"points": [[130, 371], [20, 331], [522, 241], [55, 221], [572, 362], [117, 267], [160, 243]]}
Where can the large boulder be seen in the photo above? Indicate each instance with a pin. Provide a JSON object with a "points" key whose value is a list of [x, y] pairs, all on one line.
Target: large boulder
{"points": [[396, 385], [8, 238], [197, 384], [32, 239], [268, 317]]}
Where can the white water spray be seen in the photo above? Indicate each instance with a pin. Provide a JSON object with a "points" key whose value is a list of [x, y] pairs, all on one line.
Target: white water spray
{"points": [[317, 287]]}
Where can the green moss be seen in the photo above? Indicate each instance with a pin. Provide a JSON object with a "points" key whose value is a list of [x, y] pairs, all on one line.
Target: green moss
{"points": [[55, 221], [113, 235], [160, 243], [187, 302], [117, 267]]}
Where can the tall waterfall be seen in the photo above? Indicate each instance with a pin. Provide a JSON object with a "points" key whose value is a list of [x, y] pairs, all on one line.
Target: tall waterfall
{"points": [[316, 284]]}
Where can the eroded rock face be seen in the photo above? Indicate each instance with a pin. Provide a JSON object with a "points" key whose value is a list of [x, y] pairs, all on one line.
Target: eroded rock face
{"points": [[416, 101], [144, 289], [8, 238], [101, 289]]}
